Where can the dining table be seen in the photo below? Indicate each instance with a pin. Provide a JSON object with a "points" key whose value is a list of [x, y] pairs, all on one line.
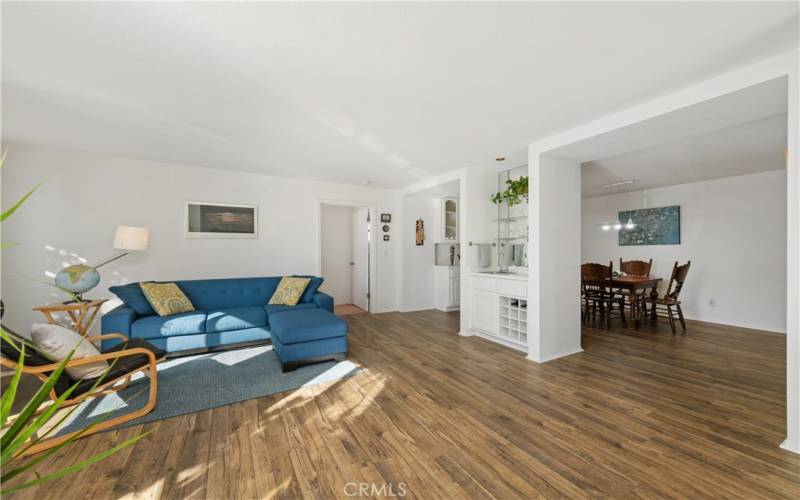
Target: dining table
{"points": [[633, 285]]}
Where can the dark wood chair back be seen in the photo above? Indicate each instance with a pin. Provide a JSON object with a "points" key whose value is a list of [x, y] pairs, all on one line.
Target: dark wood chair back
{"points": [[677, 279], [593, 274], [638, 268]]}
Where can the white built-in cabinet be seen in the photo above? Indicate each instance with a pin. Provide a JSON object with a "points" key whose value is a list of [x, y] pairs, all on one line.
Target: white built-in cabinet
{"points": [[484, 311], [447, 293], [450, 219], [447, 288], [455, 288], [499, 308]]}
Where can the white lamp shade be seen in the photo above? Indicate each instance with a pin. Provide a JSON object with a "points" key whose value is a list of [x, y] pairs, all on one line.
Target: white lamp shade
{"points": [[131, 238]]}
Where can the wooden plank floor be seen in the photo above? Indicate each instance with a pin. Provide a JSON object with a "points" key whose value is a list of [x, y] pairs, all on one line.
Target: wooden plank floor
{"points": [[346, 309], [636, 415]]}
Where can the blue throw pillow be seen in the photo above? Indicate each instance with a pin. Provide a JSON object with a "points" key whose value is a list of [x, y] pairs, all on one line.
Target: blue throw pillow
{"points": [[134, 298], [311, 289]]}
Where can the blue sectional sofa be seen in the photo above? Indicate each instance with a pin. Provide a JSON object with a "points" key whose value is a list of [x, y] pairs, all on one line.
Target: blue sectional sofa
{"points": [[228, 311]]}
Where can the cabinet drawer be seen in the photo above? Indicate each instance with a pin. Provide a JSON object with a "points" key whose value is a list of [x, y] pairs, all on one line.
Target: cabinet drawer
{"points": [[512, 288], [481, 283]]}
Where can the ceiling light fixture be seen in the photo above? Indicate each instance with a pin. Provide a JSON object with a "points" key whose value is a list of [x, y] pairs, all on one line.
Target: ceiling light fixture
{"points": [[618, 225], [500, 158], [630, 224], [620, 183]]}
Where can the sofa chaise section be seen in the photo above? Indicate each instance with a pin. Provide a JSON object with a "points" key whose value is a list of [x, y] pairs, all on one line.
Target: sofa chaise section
{"points": [[317, 335]]}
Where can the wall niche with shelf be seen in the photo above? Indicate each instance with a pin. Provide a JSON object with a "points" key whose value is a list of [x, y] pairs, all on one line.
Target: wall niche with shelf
{"points": [[512, 224]]}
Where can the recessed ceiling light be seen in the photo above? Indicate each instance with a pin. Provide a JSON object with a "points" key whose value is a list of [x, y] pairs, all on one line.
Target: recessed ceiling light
{"points": [[500, 158]]}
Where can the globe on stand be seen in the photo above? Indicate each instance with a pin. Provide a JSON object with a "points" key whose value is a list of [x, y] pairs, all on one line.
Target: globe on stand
{"points": [[77, 279]]}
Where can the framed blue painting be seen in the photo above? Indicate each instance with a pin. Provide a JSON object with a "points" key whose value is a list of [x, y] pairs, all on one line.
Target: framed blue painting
{"points": [[653, 226]]}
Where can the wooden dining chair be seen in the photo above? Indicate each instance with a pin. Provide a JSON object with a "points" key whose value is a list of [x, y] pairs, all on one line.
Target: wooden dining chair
{"points": [[662, 307], [638, 268], [597, 292]]}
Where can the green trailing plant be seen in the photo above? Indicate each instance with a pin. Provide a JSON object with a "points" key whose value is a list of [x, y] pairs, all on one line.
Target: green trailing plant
{"points": [[35, 421], [515, 193]]}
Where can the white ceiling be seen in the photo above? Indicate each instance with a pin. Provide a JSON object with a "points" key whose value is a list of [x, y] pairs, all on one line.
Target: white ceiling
{"points": [[752, 103], [449, 189], [748, 148], [389, 92]]}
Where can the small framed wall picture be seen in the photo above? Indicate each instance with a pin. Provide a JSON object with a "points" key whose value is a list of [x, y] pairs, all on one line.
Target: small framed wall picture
{"points": [[220, 220], [385, 237], [386, 228], [386, 217]]}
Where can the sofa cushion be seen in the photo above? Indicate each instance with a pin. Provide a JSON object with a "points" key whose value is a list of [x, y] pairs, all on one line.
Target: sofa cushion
{"points": [[56, 342], [292, 327], [166, 298], [235, 318], [276, 308], [150, 327], [134, 298], [290, 291], [304, 350], [227, 293], [311, 289]]}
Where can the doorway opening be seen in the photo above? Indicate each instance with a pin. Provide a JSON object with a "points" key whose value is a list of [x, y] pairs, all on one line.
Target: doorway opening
{"points": [[708, 184], [346, 256], [432, 251], [691, 207]]}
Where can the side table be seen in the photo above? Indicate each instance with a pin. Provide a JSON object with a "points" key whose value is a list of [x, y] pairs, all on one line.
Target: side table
{"points": [[81, 314]]}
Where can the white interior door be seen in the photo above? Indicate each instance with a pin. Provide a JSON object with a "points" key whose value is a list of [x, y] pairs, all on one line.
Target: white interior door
{"points": [[360, 263], [337, 252]]}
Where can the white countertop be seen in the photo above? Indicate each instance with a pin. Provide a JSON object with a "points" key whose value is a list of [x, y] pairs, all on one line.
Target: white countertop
{"points": [[509, 276]]}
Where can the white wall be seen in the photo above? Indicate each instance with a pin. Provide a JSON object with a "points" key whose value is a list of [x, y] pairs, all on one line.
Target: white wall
{"points": [[480, 226], [734, 232], [418, 261], [337, 252], [85, 196]]}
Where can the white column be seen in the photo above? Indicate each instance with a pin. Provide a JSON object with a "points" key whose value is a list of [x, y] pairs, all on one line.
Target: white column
{"points": [[554, 329], [792, 441]]}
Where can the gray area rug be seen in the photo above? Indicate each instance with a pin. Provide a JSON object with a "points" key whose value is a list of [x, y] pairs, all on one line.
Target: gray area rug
{"points": [[195, 383]]}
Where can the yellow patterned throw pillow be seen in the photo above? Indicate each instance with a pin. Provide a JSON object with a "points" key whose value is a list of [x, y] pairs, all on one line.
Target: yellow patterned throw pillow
{"points": [[289, 291], [166, 298]]}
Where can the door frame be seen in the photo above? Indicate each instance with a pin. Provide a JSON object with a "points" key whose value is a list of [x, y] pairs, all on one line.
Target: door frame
{"points": [[372, 253]]}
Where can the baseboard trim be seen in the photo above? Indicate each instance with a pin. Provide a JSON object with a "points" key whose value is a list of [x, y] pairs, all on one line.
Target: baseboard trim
{"points": [[466, 333], [756, 328], [500, 341], [792, 446], [404, 310], [555, 356]]}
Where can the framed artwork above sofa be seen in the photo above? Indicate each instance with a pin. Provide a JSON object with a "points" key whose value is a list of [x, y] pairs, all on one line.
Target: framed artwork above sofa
{"points": [[220, 220]]}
